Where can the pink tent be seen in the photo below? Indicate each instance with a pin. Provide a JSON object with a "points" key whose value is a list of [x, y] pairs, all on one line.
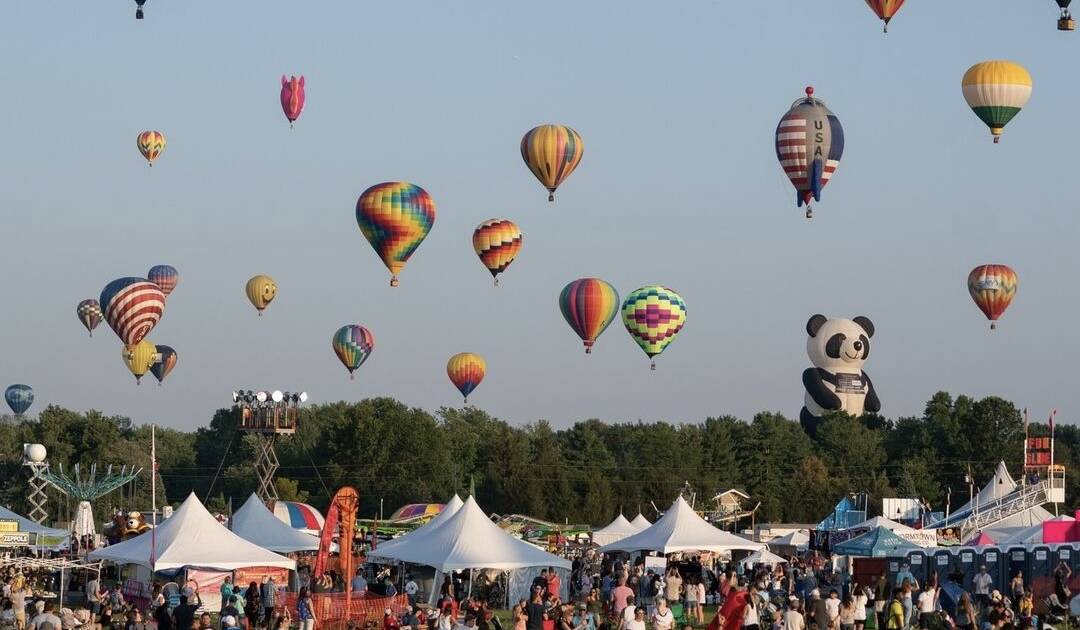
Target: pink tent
{"points": [[982, 539]]}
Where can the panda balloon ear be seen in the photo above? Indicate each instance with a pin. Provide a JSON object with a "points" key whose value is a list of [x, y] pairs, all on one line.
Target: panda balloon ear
{"points": [[866, 324], [815, 323]]}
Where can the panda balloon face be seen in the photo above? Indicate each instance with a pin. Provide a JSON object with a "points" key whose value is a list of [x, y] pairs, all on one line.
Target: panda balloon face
{"points": [[843, 344], [836, 382]]}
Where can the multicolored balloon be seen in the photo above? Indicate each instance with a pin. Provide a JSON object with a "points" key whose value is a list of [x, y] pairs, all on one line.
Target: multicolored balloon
{"points": [[261, 290], [589, 305], [653, 316], [353, 345], [466, 370], [89, 312], [996, 91], [132, 307], [161, 368], [552, 152], [809, 145], [165, 276], [395, 217], [292, 97], [993, 288], [19, 397], [139, 357], [497, 242], [885, 10], [151, 144]]}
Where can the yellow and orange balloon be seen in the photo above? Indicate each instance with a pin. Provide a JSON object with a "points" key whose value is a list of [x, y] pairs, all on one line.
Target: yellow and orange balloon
{"points": [[993, 288], [151, 144], [497, 242], [552, 152], [140, 357], [466, 370], [261, 290]]}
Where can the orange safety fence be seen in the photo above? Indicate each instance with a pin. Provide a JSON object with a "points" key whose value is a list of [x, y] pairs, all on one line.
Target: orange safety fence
{"points": [[333, 609]]}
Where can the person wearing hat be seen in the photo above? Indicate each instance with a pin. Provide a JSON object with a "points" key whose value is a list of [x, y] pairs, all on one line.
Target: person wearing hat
{"points": [[983, 585]]}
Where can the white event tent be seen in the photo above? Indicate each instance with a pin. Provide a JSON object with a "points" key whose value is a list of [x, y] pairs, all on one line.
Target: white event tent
{"points": [[450, 509], [682, 529], [640, 522], [765, 557], [615, 530], [255, 523], [191, 537]]}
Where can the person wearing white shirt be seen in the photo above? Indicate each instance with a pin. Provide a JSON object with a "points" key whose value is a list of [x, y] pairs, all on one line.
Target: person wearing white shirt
{"points": [[861, 599], [664, 619], [411, 589], [628, 613], [833, 606], [638, 622], [983, 584], [750, 613], [793, 619], [927, 606]]}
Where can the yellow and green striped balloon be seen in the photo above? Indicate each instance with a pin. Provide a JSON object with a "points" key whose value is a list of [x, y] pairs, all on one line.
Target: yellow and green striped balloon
{"points": [[996, 91], [653, 315]]}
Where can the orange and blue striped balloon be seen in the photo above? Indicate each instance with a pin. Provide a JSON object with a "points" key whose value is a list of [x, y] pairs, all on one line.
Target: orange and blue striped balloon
{"points": [[552, 152], [589, 305], [395, 217], [466, 370], [353, 345], [497, 242]]}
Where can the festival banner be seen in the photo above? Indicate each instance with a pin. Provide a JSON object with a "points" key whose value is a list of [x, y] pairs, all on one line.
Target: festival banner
{"points": [[948, 537], [247, 575], [921, 537], [208, 585]]}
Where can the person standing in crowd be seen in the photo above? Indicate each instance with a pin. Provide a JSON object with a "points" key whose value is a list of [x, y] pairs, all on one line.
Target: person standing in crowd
{"points": [[226, 593], [833, 606], [690, 590], [535, 612], [908, 602], [1017, 588], [793, 619], [664, 619], [1025, 608], [638, 622], [628, 613], [904, 574], [252, 606], [18, 603], [620, 595], [927, 605], [894, 617], [861, 599], [411, 589], [881, 599], [819, 610], [269, 600], [230, 609], [607, 583], [162, 617], [116, 598], [93, 594], [1062, 573], [184, 614], [673, 586], [965, 613], [519, 615], [359, 584], [983, 584], [554, 583], [847, 613], [751, 616], [305, 609], [45, 618], [540, 582]]}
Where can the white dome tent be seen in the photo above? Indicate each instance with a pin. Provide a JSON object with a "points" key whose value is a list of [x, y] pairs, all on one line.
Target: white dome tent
{"points": [[255, 523], [614, 531], [451, 508], [682, 529]]}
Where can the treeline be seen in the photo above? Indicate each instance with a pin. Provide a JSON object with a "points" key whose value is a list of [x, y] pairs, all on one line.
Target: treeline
{"points": [[584, 473]]}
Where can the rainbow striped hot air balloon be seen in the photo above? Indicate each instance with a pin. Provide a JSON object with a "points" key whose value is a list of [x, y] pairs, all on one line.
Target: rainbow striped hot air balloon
{"points": [[132, 307], [885, 10], [497, 242], [809, 145], [993, 288], [552, 152], [292, 97], [151, 144], [89, 312], [653, 315], [165, 276], [353, 345], [19, 397], [160, 369], [589, 305], [466, 370], [996, 91], [395, 217]]}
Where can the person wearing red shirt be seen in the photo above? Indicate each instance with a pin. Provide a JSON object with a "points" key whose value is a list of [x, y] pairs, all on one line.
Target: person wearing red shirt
{"points": [[554, 584]]}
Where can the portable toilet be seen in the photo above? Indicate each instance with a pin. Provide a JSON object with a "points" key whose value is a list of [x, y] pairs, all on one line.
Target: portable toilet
{"points": [[1062, 553], [1017, 561], [969, 561], [942, 561], [995, 564], [1041, 563], [917, 561]]}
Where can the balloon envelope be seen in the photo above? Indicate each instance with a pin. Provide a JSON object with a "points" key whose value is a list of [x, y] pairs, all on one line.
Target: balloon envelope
{"points": [[139, 357], [809, 145], [993, 288], [497, 242], [552, 152], [996, 91], [292, 97], [161, 368], [589, 305], [89, 313], [395, 217], [353, 345], [653, 315], [466, 370], [132, 307], [165, 276], [151, 144], [260, 290], [19, 397], [885, 9]]}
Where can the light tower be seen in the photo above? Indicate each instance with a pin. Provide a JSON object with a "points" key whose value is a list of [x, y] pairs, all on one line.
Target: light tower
{"points": [[267, 415], [34, 459]]}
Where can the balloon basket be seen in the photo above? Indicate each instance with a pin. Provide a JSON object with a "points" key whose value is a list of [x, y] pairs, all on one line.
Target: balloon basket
{"points": [[809, 212], [496, 282], [993, 325], [653, 366], [1066, 24], [352, 377], [260, 313], [466, 399], [588, 350], [997, 139], [551, 197], [138, 14], [394, 281]]}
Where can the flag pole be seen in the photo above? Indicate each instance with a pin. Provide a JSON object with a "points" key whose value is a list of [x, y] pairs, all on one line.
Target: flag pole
{"points": [[1023, 468], [153, 496]]}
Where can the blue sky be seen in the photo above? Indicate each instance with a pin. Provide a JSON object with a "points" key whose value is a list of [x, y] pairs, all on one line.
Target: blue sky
{"points": [[677, 103]]}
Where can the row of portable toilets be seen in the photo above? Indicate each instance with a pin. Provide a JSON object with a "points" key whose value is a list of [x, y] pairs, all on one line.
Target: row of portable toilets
{"points": [[1002, 563]]}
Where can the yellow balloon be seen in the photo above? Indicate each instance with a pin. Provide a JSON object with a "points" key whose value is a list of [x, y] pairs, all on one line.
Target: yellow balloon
{"points": [[261, 290], [139, 357]]}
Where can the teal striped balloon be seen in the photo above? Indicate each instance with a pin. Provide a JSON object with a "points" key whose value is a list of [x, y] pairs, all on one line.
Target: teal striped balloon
{"points": [[353, 345]]}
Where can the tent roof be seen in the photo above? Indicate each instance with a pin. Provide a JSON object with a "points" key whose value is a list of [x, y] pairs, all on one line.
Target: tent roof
{"points": [[982, 539], [797, 538], [877, 543], [26, 525], [468, 540], [1000, 485], [682, 529], [615, 530], [881, 521], [191, 537], [255, 523], [1032, 534], [763, 557], [640, 522], [450, 509]]}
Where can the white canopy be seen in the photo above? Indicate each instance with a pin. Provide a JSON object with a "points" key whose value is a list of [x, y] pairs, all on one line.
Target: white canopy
{"points": [[798, 539], [640, 522], [469, 540], [881, 521], [682, 529], [615, 530], [763, 557], [1002, 484], [450, 509], [255, 523], [191, 537]]}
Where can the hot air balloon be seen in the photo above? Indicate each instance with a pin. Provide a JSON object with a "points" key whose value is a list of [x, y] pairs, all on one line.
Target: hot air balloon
{"points": [[552, 152], [885, 10], [292, 97], [165, 276], [653, 316], [19, 397], [993, 288], [89, 312], [151, 144], [261, 290], [996, 91], [809, 145], [139, 357], [395, 217], [497, 242], [466, 370], [589, 305], [353, 345], [139, 9], [1066, 21], [161, 368], [132, 307]]}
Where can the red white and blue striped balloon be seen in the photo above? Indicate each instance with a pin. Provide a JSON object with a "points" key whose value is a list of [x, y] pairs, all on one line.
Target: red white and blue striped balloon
{"points": [[132, 307], [165, 276]]}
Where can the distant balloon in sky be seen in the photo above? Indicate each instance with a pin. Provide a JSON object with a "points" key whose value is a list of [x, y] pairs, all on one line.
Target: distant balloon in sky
{"points": [[132, 307], [89, 312], [167, 361], [497, 242], [139, 357], [996, 91], [466, 370], [151, 144], [809, 145], [139, 9], [19, 397], [395, 217], [261, 290], [552, 152], [993, 288], [653, 315], [292, 97], [1066, 21], [589, 305], [885, 10], [165, 276], [353, 345]]}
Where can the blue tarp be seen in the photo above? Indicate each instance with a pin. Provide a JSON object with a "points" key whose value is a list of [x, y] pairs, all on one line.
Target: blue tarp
{"points": [[877, 543], [843, 516], [40, 535]]}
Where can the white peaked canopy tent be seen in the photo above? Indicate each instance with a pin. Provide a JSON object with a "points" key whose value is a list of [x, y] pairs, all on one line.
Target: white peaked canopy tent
{"points": [[191, 537], [615, 530], [881, 521], [682, 529], [450, 509], [255, 523], [763, 557], [798, 539], [641, 523], [999, 486], [469, 540]]}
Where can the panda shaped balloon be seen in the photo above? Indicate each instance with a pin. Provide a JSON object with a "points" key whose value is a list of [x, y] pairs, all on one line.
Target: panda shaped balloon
{"points": [[838, 348]]}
